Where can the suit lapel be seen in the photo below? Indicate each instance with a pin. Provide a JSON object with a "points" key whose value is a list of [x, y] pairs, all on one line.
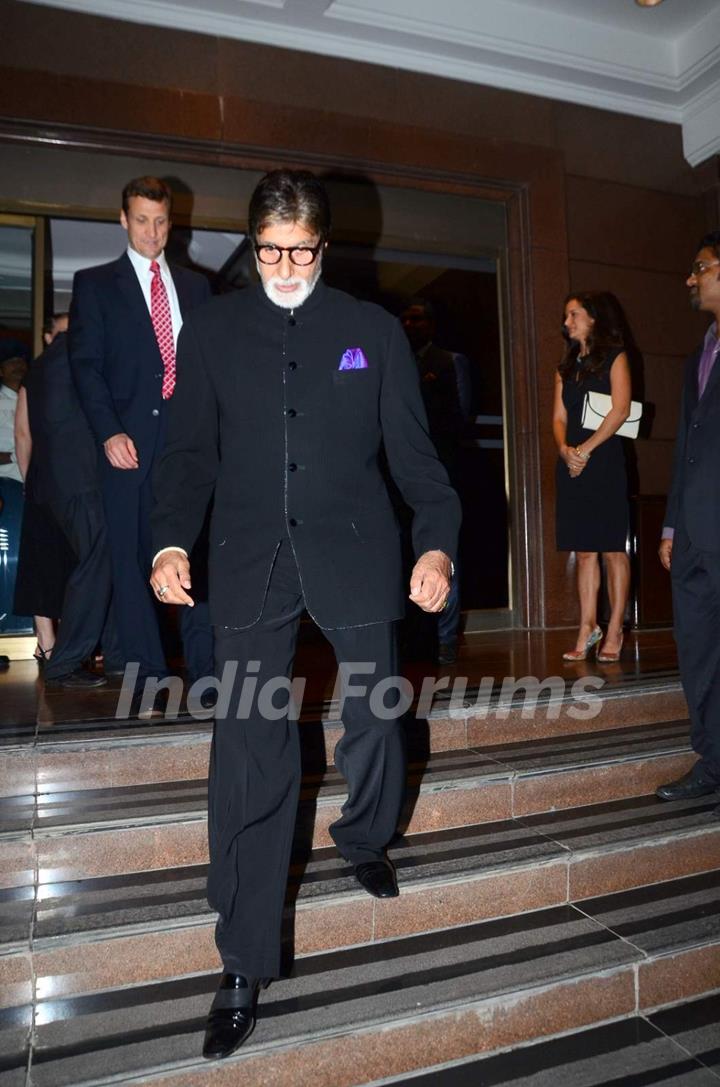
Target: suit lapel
{"points": [[691, 383], [182, 288], [129, 287], [712, 384]]}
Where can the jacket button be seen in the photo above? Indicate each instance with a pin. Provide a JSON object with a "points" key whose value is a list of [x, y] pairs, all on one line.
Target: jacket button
{"points": [[292, 366], [291, 413], [292, 322], [292, 467], [292, 522], [695, 426], [691, 460], [156, 411]]}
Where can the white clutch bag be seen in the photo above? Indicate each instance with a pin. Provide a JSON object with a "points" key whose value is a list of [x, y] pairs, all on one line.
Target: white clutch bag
{"points": [[596, 407]]}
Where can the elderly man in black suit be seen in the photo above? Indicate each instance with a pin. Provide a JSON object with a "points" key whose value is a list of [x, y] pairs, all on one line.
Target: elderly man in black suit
{"points": [[286, 394], [124, 323], [690, 547]]}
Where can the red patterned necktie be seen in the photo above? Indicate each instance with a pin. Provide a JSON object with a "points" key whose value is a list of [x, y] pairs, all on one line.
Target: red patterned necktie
{"points": [[162, 323]]}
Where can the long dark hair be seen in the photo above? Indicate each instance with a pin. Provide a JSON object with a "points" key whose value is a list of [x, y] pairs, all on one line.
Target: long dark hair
{"points": [[607, 332]]}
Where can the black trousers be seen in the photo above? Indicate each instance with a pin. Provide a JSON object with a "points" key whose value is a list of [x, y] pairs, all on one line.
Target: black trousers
{"points": [[86, 618], [696, 607], [127, 512], [255, 770]]}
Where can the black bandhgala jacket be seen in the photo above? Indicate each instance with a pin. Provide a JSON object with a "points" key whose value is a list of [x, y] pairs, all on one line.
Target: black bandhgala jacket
{"points": [[283, 416]]}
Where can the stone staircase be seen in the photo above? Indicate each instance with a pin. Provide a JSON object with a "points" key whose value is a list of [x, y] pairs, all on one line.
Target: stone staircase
{"points": [[544, 892]]}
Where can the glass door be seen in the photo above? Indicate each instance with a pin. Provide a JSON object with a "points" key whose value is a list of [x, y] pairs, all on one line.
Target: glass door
{"points": [[462, 295]]}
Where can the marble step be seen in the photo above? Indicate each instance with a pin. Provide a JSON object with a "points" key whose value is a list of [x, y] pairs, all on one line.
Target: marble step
{"points": [[75, 834], [677, 1047], [360, 1014], [104, 752], [79, 936]]}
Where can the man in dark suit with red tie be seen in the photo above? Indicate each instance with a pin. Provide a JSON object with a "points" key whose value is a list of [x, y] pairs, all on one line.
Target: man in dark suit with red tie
{"points": [[287, 394], [690, 547], [124, 323]]}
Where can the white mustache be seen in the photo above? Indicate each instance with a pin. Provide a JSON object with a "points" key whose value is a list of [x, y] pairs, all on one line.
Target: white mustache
{"points": [[293, 281]]}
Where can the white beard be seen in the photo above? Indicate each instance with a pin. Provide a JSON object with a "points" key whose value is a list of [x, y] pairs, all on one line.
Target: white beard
{"points": [[305, 287]]}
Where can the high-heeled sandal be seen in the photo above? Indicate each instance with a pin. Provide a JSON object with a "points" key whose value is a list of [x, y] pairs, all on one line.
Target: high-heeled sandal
{"points": [[594, 637], [42, 656], [611, 658]]}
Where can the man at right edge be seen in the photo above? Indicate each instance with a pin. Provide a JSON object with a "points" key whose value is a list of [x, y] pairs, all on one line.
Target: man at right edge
{"points": [[690, 545]]}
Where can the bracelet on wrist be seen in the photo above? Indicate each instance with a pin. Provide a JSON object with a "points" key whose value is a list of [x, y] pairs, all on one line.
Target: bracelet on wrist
{"points": [[581, 454]]}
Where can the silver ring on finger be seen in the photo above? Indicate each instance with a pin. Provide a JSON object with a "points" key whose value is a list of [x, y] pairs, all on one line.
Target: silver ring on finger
{"points": [[162, 590]]}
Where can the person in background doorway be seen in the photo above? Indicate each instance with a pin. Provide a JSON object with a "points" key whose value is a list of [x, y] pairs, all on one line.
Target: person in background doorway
{"points": [[125, 319], [592, 510], [447, 394], [13, 367], [66, 489], [45, 560]]}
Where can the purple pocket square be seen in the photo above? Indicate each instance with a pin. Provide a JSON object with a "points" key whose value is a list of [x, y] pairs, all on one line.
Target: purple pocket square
{"points": [[353, 359]]}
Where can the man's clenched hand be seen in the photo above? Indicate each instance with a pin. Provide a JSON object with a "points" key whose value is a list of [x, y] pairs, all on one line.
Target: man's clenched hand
{"points": [[430, 581], [665, 552], [121, 452]]}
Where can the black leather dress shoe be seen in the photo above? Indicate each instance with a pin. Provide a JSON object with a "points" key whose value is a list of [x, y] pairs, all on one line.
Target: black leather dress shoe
{"points": [[232, 1015], [81, 679], [694, 783], [447, 653], [377, 878], [208, 699]]}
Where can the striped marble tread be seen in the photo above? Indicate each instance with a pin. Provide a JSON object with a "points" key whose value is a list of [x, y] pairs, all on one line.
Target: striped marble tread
{"points": [[563, 968], [52, 808], [176, 895], [679, 1047]]}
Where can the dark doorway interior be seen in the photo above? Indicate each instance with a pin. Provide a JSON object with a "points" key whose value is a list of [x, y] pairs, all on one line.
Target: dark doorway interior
{"points": [[465, 300]]}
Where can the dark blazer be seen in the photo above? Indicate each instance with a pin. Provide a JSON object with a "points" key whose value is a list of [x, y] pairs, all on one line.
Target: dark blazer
{"points": [[64, 458], [439, 387], [290, 443], [115, 358], [694, 499]]}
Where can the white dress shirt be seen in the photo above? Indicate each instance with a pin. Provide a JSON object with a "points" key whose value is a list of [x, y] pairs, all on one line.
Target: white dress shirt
{"points": [[141, 265], [8, 405]]}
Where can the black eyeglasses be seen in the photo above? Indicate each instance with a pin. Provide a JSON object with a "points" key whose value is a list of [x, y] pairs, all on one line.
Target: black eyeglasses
{"points": [[301, 255]]}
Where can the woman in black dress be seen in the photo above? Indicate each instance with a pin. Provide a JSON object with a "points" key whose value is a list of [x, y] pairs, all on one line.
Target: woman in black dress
{"points": [[592, 502], [45, 560]]}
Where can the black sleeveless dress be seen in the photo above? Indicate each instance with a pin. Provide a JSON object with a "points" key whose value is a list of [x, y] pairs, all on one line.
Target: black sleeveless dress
{"points": [[591, 512]]}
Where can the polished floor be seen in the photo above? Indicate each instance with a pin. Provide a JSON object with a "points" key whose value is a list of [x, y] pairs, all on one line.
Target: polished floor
{"points": [[28, 711], [77, 1039], [675, 1048]]}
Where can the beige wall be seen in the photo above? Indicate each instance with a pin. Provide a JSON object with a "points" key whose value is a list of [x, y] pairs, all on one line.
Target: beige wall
{"points": [[638, 243]]}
